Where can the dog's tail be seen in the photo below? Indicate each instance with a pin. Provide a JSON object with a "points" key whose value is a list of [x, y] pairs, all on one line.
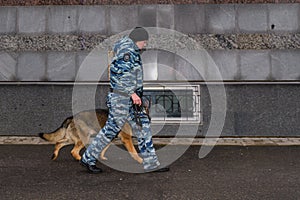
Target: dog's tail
{"points": [[58, 134]]}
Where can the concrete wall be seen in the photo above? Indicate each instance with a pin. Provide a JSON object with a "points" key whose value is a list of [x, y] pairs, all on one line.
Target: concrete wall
{"points": [[248, 42], [237, 65], [252, 109], [189, 18], [22, 58]]}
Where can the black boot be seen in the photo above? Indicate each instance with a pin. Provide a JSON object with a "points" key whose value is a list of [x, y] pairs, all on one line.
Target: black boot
{"points": [[93, 169], [164, 169]]}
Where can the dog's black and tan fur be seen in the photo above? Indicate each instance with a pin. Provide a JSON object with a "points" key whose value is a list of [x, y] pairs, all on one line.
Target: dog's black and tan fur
{"points": [[78, 129]]}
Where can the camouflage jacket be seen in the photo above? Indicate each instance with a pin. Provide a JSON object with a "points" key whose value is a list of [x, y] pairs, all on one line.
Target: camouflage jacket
{"points": [[126, 70]]}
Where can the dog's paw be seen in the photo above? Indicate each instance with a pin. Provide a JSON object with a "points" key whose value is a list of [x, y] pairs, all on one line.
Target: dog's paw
{"points": [[136, 157], [103, 158], [53, 157], [140, 160]]}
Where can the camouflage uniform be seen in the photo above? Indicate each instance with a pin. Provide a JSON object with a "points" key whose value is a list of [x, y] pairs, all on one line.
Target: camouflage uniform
{"points": [[126, 78]]}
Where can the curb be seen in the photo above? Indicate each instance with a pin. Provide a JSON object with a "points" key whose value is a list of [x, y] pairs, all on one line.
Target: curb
{"points": [[228, 141]]}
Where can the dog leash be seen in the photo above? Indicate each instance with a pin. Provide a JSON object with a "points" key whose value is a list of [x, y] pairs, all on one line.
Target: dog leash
{"points": [[137, 111]]}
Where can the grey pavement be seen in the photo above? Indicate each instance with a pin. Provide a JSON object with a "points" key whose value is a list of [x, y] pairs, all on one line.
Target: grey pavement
{"points": [[228, 172]]}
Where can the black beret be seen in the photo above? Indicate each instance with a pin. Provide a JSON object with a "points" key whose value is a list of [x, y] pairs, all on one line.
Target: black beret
{"points": [[139, 34]]}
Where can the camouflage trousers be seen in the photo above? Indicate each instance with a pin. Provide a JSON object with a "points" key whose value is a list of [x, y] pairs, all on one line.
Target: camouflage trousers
{"points": [[121, 111]]}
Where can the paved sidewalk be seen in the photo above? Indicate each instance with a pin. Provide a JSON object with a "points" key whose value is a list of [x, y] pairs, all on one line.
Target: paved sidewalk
{"points": [[228, 172], [235, 141]]}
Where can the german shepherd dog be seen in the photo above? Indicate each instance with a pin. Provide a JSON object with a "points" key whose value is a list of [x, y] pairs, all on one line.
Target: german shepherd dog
{"points": [[79, 128]]}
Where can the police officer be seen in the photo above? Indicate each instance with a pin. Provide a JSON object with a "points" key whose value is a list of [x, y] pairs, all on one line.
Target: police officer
{"points": [[126, 82]]}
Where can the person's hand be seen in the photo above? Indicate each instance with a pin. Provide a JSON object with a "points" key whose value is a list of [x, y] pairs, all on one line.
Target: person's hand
{"points": [[136, 99]]}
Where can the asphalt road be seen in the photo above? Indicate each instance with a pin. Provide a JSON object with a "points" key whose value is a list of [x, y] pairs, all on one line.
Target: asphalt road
{"points": [[26, 172]]}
